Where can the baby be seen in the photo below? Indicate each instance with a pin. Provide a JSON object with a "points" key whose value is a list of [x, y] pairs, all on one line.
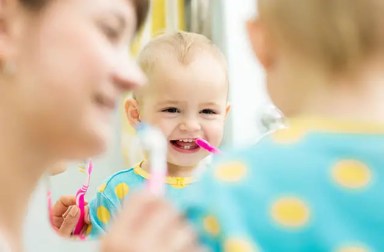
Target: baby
{"points": [[186, 98]]}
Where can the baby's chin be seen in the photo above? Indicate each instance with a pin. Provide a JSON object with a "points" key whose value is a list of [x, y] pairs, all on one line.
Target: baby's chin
{"points": [[182, 164], [186, 161]]}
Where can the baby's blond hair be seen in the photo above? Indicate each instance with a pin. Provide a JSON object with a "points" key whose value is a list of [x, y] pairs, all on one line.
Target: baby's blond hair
{"points": [[185, 46], [337, 34]]}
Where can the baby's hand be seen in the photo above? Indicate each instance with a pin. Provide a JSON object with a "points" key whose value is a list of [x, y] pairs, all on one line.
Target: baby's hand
{"points": [[66, 215]]}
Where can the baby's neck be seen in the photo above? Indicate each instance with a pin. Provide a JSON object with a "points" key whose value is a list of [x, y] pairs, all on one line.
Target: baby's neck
{"points": [[359, 97], [174, 170], [180, 171]]}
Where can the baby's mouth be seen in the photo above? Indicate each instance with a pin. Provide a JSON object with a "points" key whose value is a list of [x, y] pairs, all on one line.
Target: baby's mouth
{"points": [[185, 144]]}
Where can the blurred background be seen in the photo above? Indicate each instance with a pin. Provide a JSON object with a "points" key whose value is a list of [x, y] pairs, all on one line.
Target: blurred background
{"points": [[252, 115]]}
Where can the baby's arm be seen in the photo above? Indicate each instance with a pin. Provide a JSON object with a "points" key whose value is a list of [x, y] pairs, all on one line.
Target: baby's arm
{"points": [[102, 210]]}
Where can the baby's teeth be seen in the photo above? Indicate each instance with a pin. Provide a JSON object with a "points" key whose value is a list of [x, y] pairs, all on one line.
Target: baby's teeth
{"points": [[186, 140]]}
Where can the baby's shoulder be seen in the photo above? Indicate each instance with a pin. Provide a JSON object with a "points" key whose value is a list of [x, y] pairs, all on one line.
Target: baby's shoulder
{"points": [[127, 178]]}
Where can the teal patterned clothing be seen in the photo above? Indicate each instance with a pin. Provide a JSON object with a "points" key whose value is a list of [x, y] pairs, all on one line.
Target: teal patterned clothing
{"points": [[316, 186], [112, 194]]}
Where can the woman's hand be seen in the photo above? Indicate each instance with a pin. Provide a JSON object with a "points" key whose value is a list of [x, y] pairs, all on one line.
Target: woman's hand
{"points": [[149, 223]]}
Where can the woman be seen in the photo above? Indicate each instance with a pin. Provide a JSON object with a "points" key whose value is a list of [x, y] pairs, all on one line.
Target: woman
{"points": [[62, 66]]}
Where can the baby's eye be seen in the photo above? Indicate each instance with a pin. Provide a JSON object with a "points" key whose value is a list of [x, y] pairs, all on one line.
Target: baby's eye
{"points": [[208, 112], [171, 110]]}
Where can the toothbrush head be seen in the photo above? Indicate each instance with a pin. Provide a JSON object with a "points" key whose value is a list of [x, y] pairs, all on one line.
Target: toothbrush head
{"points": [[86, 167], [90, 167], [151, 138], [206, 146]]}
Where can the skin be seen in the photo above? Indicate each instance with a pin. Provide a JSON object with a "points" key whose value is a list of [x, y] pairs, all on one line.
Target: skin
{"points": [[300, 87]]}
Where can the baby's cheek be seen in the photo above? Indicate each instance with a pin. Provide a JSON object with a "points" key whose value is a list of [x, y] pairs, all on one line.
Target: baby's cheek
{"points": [[215, 134], [165, 126]]}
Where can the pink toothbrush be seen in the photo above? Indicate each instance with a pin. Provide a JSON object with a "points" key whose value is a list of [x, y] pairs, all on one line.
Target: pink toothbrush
{"points": [[80, 200], [207, 146], [153, 141]]}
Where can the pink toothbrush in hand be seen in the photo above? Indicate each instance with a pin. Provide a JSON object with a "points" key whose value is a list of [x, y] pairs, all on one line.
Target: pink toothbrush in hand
{"points": [[207, 146], [80, 202]]}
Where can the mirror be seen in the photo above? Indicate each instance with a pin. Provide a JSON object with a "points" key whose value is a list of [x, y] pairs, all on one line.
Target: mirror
{"points": [[224, 23]]}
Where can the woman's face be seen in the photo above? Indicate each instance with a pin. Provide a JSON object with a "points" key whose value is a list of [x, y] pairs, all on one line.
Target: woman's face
{"points": [[72, 63]]}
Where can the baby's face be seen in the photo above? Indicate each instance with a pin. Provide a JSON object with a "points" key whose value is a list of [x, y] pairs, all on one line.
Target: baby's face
{"points": [[187, 102]]}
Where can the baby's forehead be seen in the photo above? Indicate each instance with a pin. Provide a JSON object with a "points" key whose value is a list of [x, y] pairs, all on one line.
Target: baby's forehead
{"points": [[184, 92], [181, 76], [167, 72]]}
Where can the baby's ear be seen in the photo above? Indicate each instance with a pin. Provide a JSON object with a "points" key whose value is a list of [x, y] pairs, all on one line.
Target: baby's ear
{"points": [[261, 42], [132, 111]]}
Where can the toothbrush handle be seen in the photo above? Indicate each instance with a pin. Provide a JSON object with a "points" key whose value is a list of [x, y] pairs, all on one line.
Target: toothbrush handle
{"points": [[80, 203], [157, 180], [156, 183]]}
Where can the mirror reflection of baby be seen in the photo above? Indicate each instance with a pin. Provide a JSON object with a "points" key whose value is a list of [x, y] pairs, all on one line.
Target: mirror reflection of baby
{"points": [[186, 98]]}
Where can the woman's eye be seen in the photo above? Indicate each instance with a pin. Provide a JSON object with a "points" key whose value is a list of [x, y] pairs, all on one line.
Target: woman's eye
{"points": [[208, 112], [112, 32], [171, 110]]}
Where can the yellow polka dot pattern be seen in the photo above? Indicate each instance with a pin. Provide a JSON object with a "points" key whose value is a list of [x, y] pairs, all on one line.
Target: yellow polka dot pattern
{"points": [[103, 215], [353, 248], [288, 136], [231, 172], [211, 225], [239, 245], [121, 190], [351, 174], [290, 212], [101, 188]]}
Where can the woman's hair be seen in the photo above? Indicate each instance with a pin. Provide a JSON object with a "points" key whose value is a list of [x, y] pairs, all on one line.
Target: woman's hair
{"points": [[338, 34], [141, 8]]}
